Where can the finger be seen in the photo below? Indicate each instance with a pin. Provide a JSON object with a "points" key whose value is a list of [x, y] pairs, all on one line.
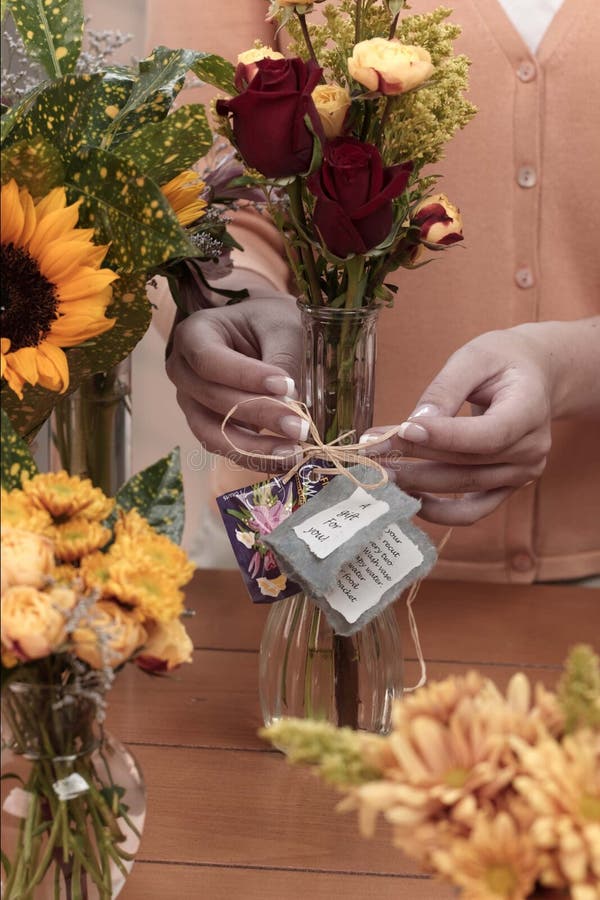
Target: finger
{"points": [[461, 511], [281, 346], [529, 450], [207, 428], [204, 345], [261, 414], [441, 478]]}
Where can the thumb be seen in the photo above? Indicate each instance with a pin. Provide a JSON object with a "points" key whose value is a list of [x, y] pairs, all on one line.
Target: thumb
{"points": [[282, 347], [455, 382]]}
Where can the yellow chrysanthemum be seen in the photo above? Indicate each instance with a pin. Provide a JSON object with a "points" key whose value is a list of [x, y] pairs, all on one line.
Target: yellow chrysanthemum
{"points": [[65, 496], [54, 293], [76, 538], [184, 194], [152, 593], [64, 574], [19, 511], [136, 540], [497, 862], [95, 571]]}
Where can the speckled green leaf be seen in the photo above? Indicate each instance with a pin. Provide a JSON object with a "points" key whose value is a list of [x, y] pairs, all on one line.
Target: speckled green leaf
{"points": [[3, 5], [157, 494], [16, 457], [133, 312], [51, 30], [126, 208], [215, 70], [14, 115], [164, 150], [74, 111], [34, 164]]}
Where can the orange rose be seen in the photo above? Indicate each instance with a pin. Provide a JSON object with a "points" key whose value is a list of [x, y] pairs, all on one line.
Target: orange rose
{"points": [[389, 67], [439, 220], [168, 646], [108, 636], [33, 622], [26, 558], [333, 103]]}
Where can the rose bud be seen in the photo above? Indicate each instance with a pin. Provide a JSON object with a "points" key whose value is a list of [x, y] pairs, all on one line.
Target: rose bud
{"points": [[438, 220], [269, 125], [354, 210], [333, 103], [168, 646], [108, 636], [33, 624], [389, 67], [26, 558], [247, 68]]}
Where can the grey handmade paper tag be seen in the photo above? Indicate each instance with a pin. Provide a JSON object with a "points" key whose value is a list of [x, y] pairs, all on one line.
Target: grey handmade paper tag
{"points": [[313, 544], [389, 563]]}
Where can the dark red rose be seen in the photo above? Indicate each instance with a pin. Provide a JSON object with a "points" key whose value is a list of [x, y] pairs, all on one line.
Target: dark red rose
{"points": [[268, 117], [354, 191]]}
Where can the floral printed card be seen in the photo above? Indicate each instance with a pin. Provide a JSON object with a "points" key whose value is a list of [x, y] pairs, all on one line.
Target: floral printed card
{"points": [[251, 512]]}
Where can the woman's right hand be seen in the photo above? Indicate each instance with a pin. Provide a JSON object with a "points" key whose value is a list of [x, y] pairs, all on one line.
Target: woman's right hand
{"points": [[220, 357]]}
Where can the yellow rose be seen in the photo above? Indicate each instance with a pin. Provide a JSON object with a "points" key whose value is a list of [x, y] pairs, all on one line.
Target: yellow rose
{"points": [[108, 636], [389, 67], [247, 68], [33, 622], [26, 558], [438, 219], [333, 103], [168, 646]]}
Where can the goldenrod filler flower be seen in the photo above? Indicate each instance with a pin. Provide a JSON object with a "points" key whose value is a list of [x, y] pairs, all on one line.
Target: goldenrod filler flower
{"points": [[66, 496], [54, 292], [184, 194]]}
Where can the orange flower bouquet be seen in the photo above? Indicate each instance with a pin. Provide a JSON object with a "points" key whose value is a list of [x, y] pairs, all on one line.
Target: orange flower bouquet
{"points": [[498, 794]]}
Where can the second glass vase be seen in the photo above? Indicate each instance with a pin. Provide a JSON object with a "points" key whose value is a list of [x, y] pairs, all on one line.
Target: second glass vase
{"points": [[305, 669]]}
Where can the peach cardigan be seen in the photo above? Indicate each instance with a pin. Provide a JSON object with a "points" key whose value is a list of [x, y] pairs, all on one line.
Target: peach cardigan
{"points": [[525, 174]]}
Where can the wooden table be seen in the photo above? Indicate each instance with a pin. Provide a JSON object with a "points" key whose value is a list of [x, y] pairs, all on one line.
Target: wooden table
{"points": [[228, 818]]}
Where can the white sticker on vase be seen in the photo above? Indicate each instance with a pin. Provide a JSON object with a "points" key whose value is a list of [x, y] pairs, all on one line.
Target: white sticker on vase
{"points": [[363, 581], [70, 787], [329, 529]]}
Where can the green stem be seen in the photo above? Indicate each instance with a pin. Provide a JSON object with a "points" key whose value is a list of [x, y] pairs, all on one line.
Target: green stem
{"points": [[357, 21], [306, 36], [312, 650], [308, 260], [394, 25]]}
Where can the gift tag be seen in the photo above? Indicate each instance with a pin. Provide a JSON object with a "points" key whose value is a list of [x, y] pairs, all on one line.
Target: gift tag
{"points": [[251, 513], [313, 544], [374, 578]]}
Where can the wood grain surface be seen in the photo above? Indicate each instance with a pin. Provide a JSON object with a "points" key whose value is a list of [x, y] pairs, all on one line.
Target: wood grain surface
{"points": [[228, 818]]}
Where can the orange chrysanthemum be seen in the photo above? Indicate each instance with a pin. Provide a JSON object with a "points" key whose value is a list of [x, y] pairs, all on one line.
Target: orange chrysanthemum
{"points": [[66, 496], [54, 293]]}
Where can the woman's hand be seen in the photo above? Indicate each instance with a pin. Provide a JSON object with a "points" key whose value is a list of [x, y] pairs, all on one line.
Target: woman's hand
{"points": [[224, 356], [517, 381]]}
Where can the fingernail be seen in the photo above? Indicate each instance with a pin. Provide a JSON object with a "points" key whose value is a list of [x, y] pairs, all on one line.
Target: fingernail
{"points": [[294, 427], [375, 451], [281, 385], [366, 438], [428, 409], [416, 434], [287, 450]]}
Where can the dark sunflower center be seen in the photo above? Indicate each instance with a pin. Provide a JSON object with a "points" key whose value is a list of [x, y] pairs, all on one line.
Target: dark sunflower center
{"points": [[28, 303]]}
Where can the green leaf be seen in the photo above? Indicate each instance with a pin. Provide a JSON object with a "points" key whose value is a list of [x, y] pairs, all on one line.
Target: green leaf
{"points": [[132, 309], [165, 149], [127, 209], [51, 31], [157, 494], [3, 4], [215, 70], [34, 164], [16, 457]]}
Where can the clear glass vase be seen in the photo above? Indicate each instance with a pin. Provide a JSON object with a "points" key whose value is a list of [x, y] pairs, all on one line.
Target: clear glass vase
{"points": [[90, 430], [305, 669], [73, 798]]}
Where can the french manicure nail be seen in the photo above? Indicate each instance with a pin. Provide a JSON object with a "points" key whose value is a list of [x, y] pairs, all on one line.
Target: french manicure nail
{"points": [[280, 385], [366, 438], [287, 450], [416, 434], [428, 409], [294, 427]]}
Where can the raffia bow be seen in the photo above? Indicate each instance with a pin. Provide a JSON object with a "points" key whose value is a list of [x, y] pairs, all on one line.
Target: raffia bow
{"points": [[338, 456]]}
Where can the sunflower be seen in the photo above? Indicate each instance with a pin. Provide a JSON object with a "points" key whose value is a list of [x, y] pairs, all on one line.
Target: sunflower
{"points": [[184, 194], [54, 293]]}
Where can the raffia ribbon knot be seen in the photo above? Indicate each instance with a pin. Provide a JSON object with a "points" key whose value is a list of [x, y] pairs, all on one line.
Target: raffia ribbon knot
{"points": [[315, 448]]}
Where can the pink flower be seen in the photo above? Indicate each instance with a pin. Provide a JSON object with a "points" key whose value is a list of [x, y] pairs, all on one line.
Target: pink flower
{"points": [[255, 564], [265, 519], [269, 561]]}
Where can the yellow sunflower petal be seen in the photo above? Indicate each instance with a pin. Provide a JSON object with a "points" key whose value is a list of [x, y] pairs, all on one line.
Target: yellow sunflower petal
{"points": [[61, 258], [24, 363], [55, 199], [12, 217], [70, 331], [30, 218], [52, 227], [86, 285], [14, 380], [53, 367]]}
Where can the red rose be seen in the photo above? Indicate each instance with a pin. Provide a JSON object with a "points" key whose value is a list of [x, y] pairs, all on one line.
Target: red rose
{"points": [[354, 194], [269, 117]]}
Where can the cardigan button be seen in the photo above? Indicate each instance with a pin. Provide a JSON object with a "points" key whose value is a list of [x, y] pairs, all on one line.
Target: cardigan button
{"points": [[522, 562], [526, 71], [524, 277], [526, 177]]}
